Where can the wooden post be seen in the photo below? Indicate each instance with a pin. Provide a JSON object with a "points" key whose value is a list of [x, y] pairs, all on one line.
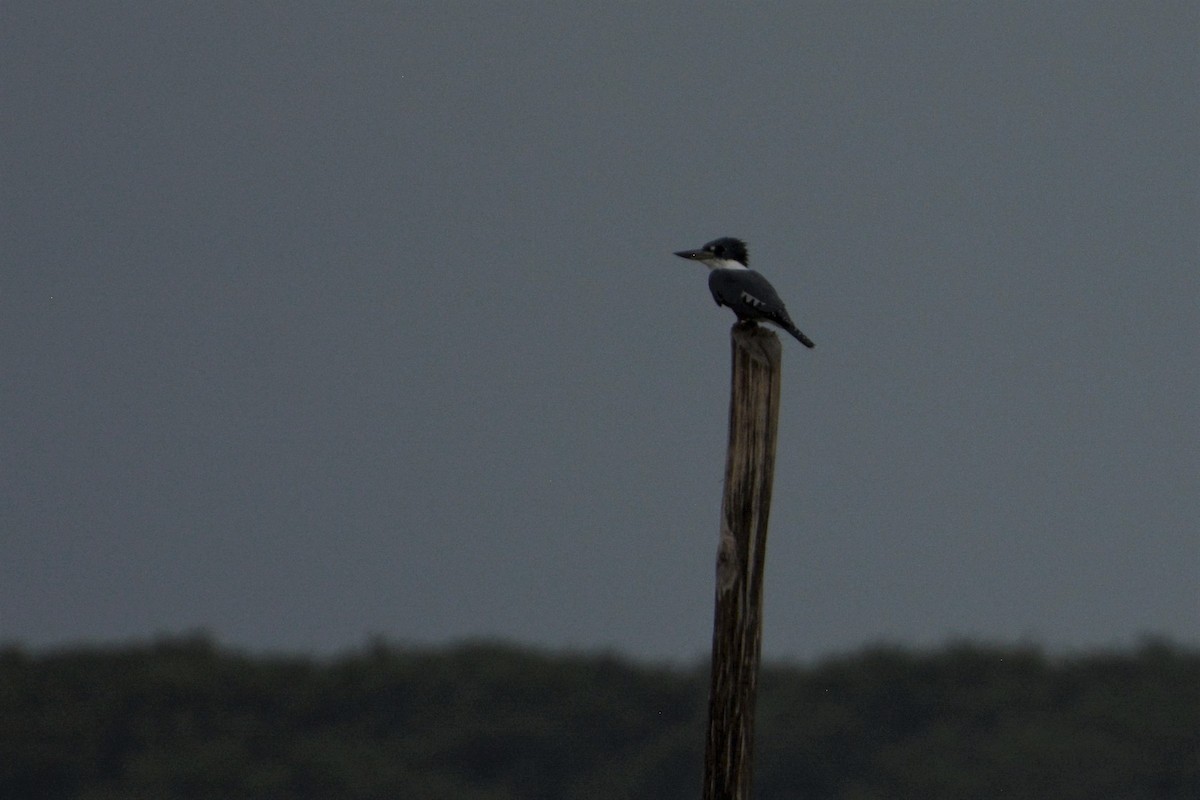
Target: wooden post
{"points": [[737, 621]]}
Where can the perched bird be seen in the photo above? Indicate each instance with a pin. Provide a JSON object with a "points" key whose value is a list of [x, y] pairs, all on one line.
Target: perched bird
{"points": [[743, 290]]}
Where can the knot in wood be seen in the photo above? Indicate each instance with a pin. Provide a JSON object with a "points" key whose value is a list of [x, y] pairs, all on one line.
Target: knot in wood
{"points": [[727, 560]]}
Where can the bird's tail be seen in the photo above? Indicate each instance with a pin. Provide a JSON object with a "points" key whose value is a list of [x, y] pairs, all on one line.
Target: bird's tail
{"points": [[804, 340]]}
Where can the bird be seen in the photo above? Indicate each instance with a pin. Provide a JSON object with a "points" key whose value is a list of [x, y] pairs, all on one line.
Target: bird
{"points": [[734, 285]]}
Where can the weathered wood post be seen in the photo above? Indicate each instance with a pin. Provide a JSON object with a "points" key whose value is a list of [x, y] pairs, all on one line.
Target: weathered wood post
{"points": [[737, 620]]}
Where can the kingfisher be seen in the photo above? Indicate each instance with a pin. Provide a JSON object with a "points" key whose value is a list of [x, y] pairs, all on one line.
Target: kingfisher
{"points": [[744, 291]]}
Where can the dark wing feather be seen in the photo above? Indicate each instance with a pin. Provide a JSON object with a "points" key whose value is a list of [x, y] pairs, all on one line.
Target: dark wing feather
{"points": [[752, 297]]}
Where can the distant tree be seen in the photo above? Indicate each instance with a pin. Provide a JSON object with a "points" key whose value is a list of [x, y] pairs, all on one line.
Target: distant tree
{"points": [[184, 719]]}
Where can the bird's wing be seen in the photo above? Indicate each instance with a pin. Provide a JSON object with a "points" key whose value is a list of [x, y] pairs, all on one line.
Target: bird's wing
{"points": [[758, 292]]}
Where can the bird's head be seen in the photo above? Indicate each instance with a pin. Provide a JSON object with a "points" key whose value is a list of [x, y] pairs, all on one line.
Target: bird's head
{"points": [[726, 253]]}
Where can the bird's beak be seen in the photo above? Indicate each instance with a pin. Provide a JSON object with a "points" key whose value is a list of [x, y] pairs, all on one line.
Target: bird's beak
{"points": [[695, 255]]}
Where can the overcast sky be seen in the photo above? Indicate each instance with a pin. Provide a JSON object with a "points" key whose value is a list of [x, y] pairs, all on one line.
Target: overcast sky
{"points": [[326, 321]]}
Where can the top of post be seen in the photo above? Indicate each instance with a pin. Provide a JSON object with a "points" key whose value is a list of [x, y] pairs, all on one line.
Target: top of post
{"points": [[759, 343]]}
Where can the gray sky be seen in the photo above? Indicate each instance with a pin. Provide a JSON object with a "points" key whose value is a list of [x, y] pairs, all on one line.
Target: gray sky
{"points": [[327, 321]]}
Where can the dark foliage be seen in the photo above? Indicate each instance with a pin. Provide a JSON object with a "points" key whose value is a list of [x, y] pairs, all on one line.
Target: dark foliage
{"points": [[186, 720]]}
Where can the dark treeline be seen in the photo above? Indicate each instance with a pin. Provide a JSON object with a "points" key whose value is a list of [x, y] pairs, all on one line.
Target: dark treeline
{"points": [[186, 719]]}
